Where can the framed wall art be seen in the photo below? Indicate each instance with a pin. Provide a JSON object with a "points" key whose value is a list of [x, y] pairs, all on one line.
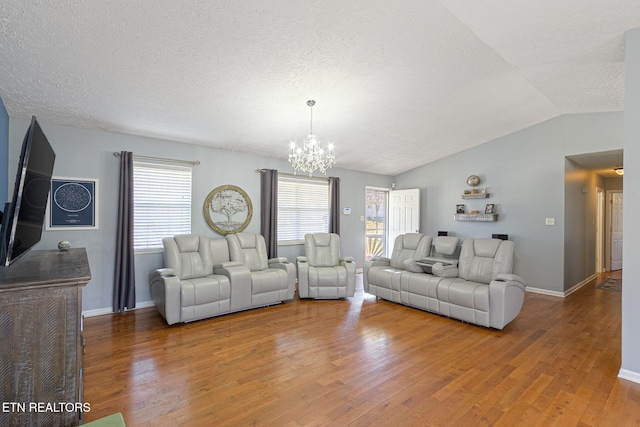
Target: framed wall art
{"points": [[490, 208], [228, 209], [73, 204]]}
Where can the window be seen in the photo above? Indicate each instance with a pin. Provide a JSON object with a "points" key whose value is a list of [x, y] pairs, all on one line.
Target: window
{"points": [[303, 207], [161, 203]]}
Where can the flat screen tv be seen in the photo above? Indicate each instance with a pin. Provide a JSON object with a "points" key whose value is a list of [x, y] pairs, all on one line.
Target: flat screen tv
{"points": [[24, 215]]}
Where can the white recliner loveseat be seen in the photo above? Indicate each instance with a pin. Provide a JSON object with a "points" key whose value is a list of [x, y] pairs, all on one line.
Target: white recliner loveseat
{"points": [[480, 289], [205, 277]]}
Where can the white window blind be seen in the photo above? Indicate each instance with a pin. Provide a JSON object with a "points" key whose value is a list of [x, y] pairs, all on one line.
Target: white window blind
{"points": [[303, 207], [162, 203]]}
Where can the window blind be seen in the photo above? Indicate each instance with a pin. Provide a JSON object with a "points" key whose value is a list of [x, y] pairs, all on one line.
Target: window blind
{"points": [[303, 207], [161, 203]]}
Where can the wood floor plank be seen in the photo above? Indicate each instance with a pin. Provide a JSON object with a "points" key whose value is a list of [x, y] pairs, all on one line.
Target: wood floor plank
{"points": [[360, 362]]}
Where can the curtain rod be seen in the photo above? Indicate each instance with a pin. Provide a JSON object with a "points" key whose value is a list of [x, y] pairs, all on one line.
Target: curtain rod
{"points": [[297, 176], [190, 162]]}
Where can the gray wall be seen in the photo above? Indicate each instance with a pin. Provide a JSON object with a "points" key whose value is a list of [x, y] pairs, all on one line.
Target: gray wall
{"points": [[581, 206], [525, 174], [4, 152], [631, 245], [89, 154]]}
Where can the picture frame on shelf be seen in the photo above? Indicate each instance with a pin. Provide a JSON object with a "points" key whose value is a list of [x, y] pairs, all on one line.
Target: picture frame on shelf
{"points": [[460, 209], [490, 208]]}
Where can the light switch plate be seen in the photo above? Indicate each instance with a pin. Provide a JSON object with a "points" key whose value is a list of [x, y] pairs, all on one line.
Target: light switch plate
{"points": [[549, 221]]}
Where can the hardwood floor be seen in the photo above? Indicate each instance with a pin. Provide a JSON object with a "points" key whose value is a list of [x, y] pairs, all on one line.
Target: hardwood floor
{"points": [[363, 361]]}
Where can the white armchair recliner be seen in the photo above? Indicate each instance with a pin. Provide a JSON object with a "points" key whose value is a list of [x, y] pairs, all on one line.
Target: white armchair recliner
{"points": [[322, 273]]}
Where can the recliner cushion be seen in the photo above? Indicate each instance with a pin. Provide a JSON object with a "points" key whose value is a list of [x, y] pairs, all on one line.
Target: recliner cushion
{"points": [[481, 260], [250, 249], [189, 255], [322, 249], [409, 246], [268, 280], [204, 290], [445, 245]]}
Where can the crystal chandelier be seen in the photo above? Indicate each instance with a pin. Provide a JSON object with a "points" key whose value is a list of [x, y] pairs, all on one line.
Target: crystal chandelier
{"points": [[311, 156]]}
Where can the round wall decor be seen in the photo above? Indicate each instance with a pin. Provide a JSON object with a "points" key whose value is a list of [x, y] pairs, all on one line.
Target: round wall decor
{"points": [[228, 209], [473, 180]]}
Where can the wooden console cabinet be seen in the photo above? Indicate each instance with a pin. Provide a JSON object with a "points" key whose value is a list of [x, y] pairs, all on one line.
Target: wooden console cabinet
{"points": [[41, 343]]}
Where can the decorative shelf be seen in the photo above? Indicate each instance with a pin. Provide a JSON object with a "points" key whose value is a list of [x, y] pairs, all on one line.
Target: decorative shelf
{"points": [[476, 217], [476, 196]]}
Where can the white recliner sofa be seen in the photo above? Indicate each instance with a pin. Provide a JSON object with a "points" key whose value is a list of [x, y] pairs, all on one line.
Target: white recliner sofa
{"points": [[322, 273], [480, 289], [203, 278]]}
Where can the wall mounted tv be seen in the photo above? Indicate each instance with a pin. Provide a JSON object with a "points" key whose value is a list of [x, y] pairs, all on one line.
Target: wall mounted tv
{"points": [[24, 215]]}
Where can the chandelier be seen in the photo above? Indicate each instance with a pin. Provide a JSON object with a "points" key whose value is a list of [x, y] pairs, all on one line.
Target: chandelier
{"points": [[311, 156]]}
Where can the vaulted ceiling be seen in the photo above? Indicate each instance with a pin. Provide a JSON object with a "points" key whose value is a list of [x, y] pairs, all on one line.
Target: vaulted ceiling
{"points": [[397, 83]]}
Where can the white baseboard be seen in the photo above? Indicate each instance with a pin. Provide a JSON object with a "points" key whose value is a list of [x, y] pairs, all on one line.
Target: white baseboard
{"points": [[544, 292], [561, 294], [625, 374], [109, 310], [579, 285]]}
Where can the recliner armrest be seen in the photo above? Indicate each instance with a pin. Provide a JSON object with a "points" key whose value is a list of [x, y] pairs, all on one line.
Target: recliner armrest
{"points": [[160, 273], [506, 277], [347, 259], [441, 270], [227, 264], [279, 260], [302, 259], [506, 296], [165, 291]]}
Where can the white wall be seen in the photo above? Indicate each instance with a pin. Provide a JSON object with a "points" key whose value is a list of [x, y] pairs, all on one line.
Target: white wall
{"points": [[631, 246], [89, 154], [525, 174]]}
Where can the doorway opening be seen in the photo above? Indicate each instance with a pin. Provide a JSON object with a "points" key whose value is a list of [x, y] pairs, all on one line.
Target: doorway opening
{"points": [[614, 223]]}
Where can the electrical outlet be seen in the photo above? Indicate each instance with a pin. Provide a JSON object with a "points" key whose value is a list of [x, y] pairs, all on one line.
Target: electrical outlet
{"points": [[549, 221]]}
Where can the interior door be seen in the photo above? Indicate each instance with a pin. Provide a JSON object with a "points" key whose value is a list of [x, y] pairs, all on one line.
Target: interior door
{"points": [[616, 231], [404, 214]]}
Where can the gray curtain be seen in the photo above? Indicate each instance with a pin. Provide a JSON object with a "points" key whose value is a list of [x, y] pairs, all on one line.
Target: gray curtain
{"points": [[269, 210], [124, 291], [334, 205]]}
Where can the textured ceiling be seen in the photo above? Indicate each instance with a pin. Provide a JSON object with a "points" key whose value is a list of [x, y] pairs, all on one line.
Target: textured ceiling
{"points": [[397, 84]]}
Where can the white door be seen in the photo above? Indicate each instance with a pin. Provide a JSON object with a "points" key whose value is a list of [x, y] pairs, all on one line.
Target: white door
{"points": [[404, 214], [616, 231]]}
